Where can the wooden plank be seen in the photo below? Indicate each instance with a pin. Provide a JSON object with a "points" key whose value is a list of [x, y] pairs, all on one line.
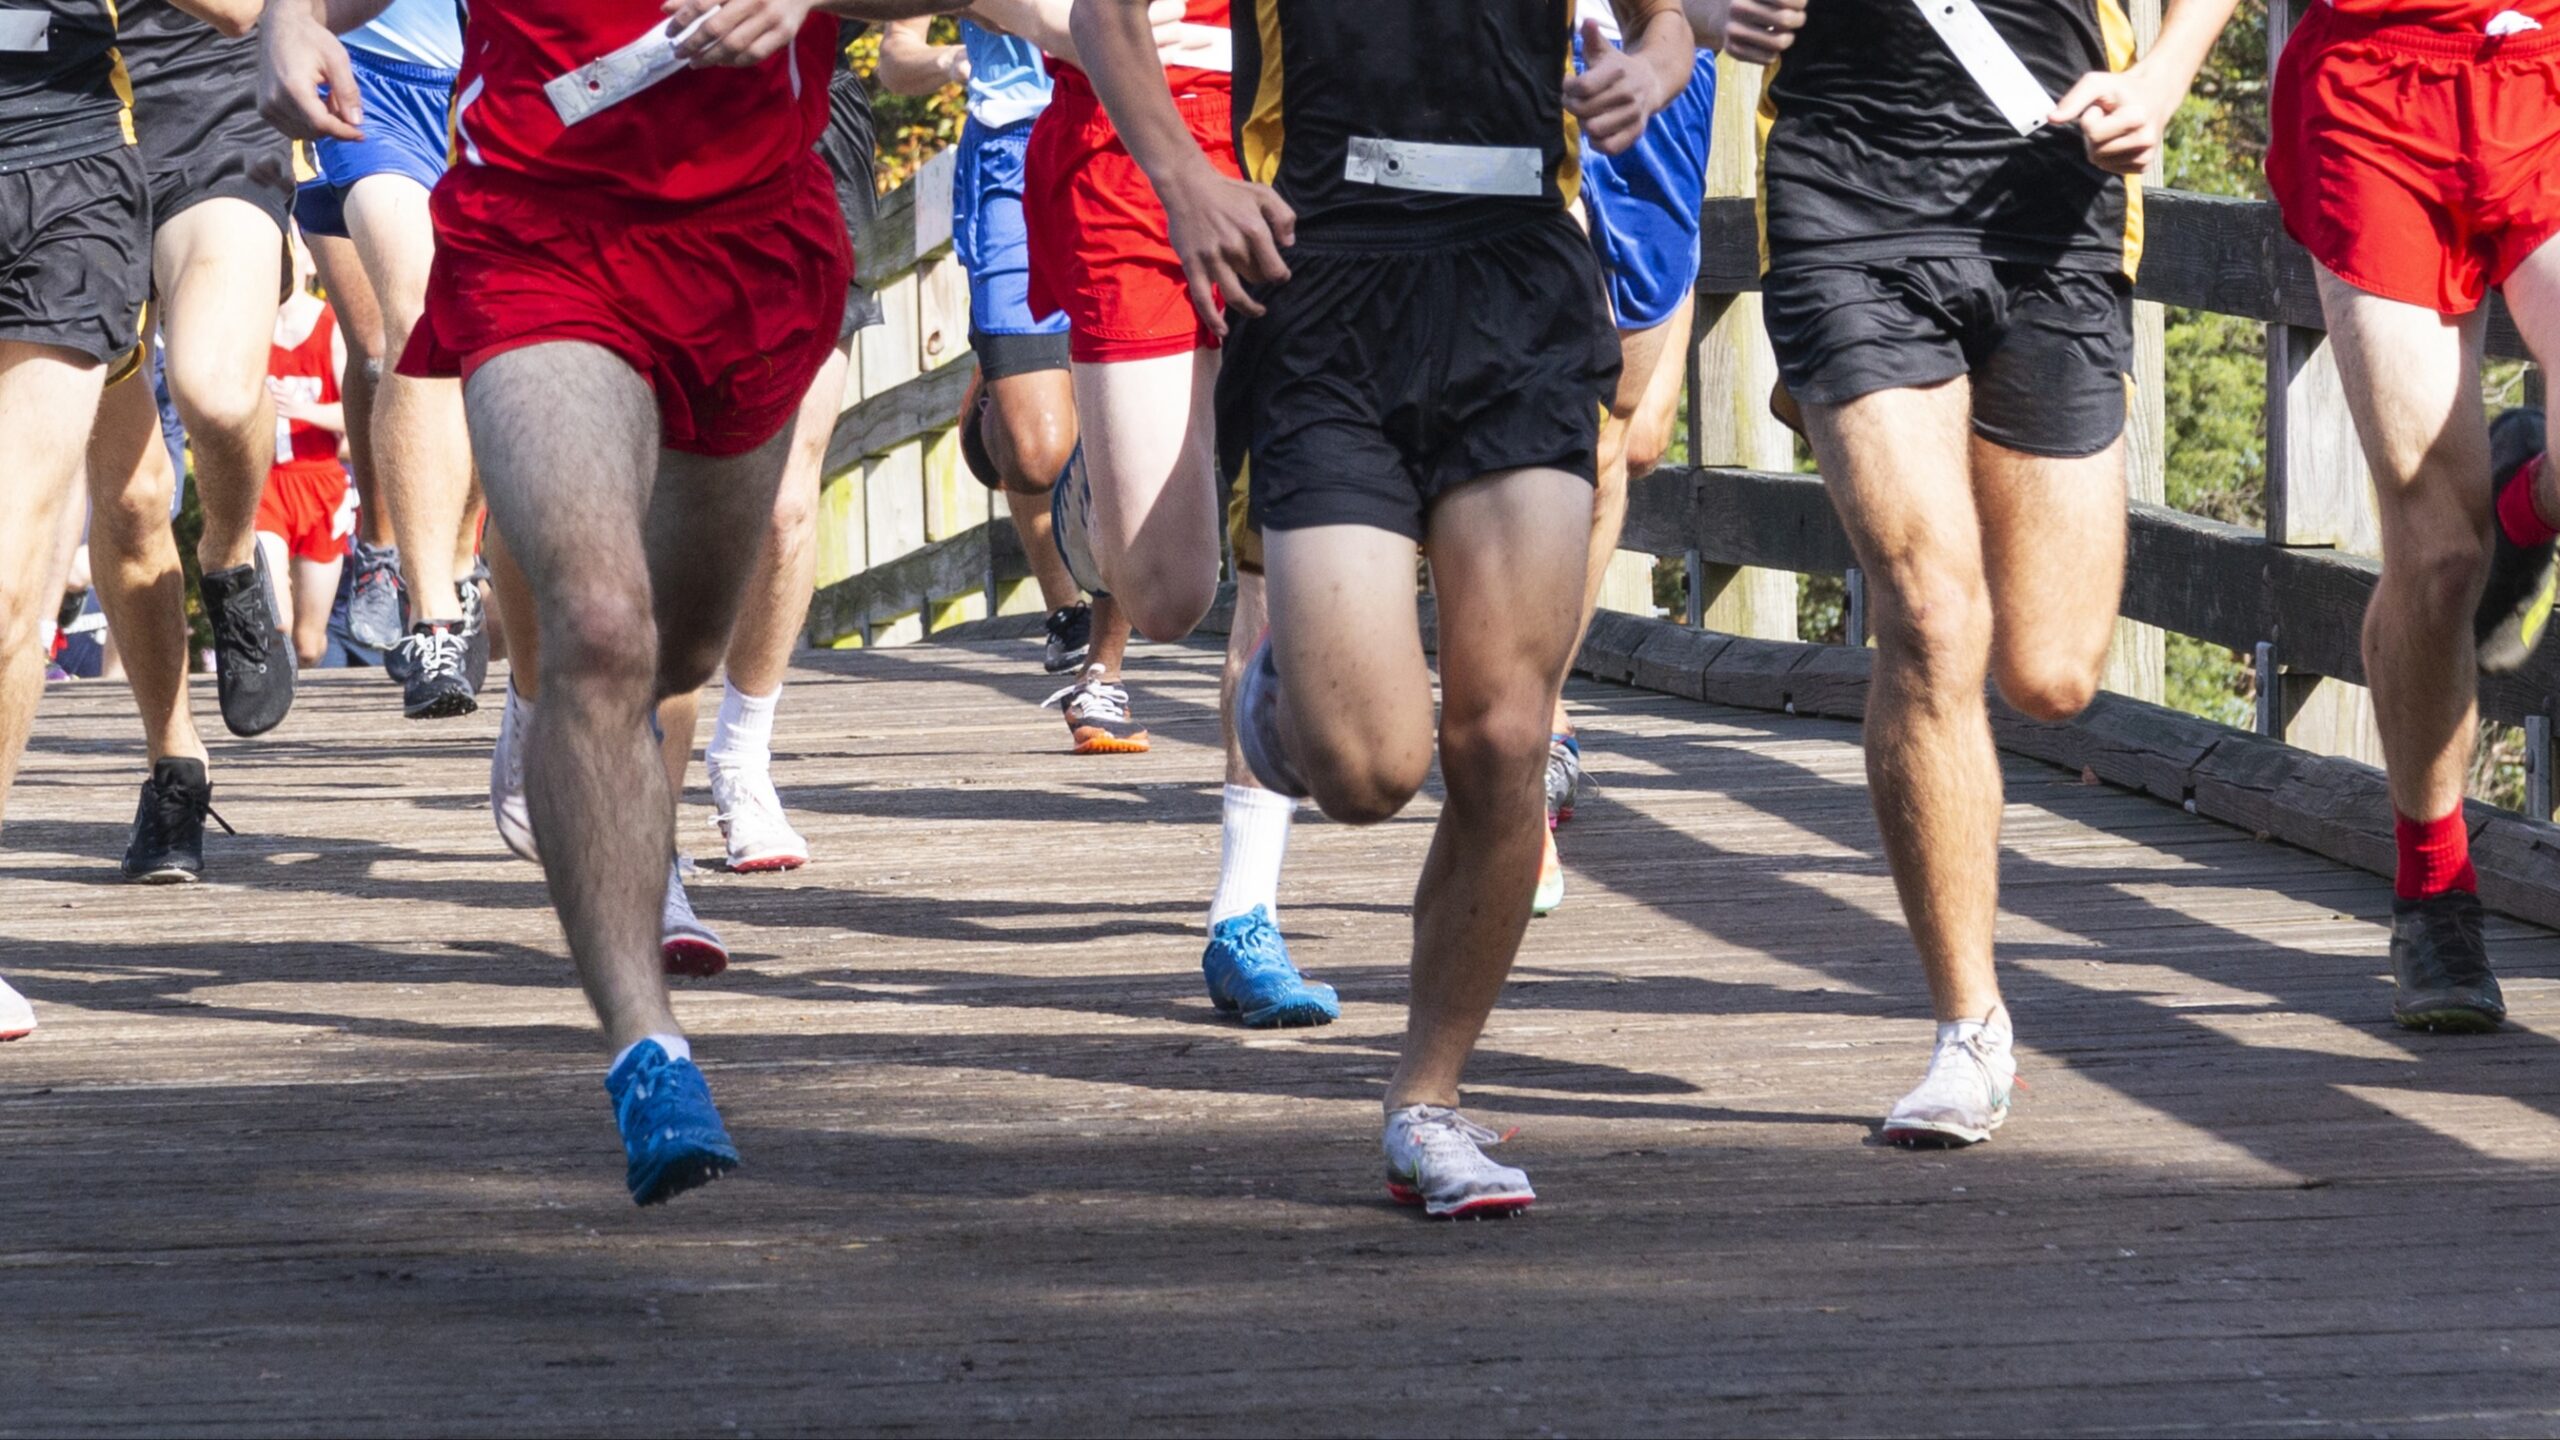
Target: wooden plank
{"points": [[912, 581], [942, 313], [954, 501], [899, 414], [886, 247], [893, 504]]}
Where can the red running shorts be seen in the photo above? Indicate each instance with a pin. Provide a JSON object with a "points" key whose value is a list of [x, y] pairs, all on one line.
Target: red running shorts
{"points": [[2419, 164], [1099, 248], [726, 309], [304, 503]]}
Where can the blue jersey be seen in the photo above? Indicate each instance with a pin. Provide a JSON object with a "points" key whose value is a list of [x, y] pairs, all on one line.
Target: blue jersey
{"points": [[1007, 82], [414, 32]]}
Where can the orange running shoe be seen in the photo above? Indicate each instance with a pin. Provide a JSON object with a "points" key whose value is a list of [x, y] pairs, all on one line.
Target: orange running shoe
{"points": [[1097, 712]]}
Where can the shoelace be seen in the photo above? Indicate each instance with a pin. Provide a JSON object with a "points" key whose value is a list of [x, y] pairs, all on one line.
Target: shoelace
{"points": [[173, 805], [439, 652], [1092, 698], [243, 623], [750, 795], [1442, 1133], [2456, 933]]}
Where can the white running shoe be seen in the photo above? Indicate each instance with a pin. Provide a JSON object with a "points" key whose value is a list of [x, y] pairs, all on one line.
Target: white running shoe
{"points": [[1435, 1160], [1966, 1094], [686, 945], [506, 781], [751, 821], [1550, 891], [17, 1017]]}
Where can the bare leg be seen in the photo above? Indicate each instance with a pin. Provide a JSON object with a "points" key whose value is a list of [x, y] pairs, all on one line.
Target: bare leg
{"points": [[511, 602], [280, 587], [133, 557], [1155, 492], [1244, 637], [1632, 438], [48, 398], [777, 603], [1031, 433], [422, 452], [638, 564], [217, 263], [315, 592], [359, 312]]}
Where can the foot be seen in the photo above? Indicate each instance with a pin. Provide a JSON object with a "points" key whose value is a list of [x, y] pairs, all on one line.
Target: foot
{"points": [[167, 843], [1436, 1159], [253, 662], [1250, 977], [2440, 961], [1070, 630], [375, 596], [751, 821], [686, 945], [1071, 524], [1258, 727], [2516, 605], [17, 1017], [507, 804], [473, 591], [1966, 1094], [435, 680], [1564, 778], [671, 1132], [1097, 712], [1550, 892]]}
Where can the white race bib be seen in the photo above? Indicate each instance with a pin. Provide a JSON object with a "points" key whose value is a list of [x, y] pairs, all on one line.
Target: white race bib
{"points": [[1446, 169], [601, 84], [2002, 76], [25, 32]]}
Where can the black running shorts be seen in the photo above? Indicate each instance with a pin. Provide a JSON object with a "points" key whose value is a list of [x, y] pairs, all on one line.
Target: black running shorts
{"points": [[1000, 356], [75, 254], [2047, 349], [208, 143], [1391, 369]]}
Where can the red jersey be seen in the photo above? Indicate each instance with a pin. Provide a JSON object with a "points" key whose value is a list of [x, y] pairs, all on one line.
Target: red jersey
{"points": [[1185, 79], [2470, 15], [695, 136], [308, 370]]}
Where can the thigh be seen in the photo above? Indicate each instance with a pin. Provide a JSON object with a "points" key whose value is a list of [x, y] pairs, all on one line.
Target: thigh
{"points": [[219, 266], [2053, 549], [350, 292], [1146, 430], [387, 218], [708, 520], [122, 480], [1898, 466], [566, 436], [1346, 634], [1508, 553], [48, 399], [2411, 377], [2532, 293]]}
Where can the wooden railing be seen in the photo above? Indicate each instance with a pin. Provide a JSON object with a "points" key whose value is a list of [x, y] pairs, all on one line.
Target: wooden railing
{"points": [[910, 550]]}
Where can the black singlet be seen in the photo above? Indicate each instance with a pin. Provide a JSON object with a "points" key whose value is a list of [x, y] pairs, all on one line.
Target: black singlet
{"points": [[1881, 145], [63, 93], [1335, 100], [184, 70]]}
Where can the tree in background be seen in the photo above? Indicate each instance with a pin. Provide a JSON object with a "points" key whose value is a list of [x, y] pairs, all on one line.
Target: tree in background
{"points": [[912, 128]]}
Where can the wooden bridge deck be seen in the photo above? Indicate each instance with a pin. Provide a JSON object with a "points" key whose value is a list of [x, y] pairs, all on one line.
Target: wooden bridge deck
{"points": [[320, 1147]]}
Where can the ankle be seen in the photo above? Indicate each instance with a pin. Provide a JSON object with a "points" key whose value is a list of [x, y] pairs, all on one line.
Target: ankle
{"points": [[2434, 856]]}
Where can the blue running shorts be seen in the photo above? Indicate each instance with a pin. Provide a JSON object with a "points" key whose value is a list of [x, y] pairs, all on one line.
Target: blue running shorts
{"points": [[405, 112], [1643, 205], [988, 235]]}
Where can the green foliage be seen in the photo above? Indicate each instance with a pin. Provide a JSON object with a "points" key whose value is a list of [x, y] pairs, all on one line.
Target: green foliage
{"points": [[911, 128]]}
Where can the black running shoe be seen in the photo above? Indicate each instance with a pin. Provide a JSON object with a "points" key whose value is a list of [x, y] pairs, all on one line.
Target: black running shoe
{"points": [[2516, 606], [1070, 630], [167, 847], [253, 674], [2440, 959], [474, 590], [434, 683]]}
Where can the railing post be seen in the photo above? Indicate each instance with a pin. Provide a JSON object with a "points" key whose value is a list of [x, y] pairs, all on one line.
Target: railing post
{"points": [[2537, 767], [2137, 663]]}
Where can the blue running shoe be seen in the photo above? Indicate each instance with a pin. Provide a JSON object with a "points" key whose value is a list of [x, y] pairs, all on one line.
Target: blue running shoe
{"points": [[1250, 977], [670, 1129]]}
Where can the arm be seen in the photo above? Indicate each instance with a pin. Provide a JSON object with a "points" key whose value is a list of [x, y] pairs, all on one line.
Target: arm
{"points": [[2124, 114], [1046, 23], [1619, 90], [750, 32], [1229, 233], [1755, 32], [298, 54], [234, 18], [911, 64]]}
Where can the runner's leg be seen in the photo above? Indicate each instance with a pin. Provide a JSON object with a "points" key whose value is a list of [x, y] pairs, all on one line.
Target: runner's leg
{"points": [[133, 559], [1030, 434], [48, 399], [1155, 496], [217, 263], [315, 591], [422, 453]]}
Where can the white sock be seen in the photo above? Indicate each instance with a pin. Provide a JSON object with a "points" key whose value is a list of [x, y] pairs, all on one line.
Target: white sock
{"points": [[676, 1046], [742, 738], [1252, 840], [519, 709]]}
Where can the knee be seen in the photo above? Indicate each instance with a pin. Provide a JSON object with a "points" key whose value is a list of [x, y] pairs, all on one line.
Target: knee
{"points": [[1040, 445], [795, 518], [1365, 786], [1937, 626], [2047, 688], [129, 514], [1494, 753], [1172, 605], [603, 639], [2437, 574], [1647, 438]]}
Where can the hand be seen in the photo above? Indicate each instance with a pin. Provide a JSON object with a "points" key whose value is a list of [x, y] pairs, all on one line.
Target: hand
{"points": [[737, 32], [1166, 17], [1757, 32], [1229, 234], [2121, 116], [299, 60], [290, 404], [1614, 95], [955, 64]]}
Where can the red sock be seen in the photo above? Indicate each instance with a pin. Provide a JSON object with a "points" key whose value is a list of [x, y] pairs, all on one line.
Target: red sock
{"points": [[2518, 515], [2435, 856]]}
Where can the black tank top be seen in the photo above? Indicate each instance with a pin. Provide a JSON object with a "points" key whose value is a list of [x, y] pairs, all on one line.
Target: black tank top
{"points": [[1417, 117], [62, 85], [187, 76], [1880, 144]]}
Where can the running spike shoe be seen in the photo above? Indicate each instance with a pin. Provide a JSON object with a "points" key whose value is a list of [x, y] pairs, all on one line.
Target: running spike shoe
{"points": [[760, 839], [167, 843], [1436, 1159], [2440, 964], [1097, 713], [1965, 1095], [253, 662], [671, 1132], [686, 945], [2515, 606], [1250, 976], [1258, 727]]}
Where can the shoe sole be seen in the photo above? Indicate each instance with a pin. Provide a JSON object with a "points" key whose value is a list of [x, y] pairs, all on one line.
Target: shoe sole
{"points": [[1294, 1015], [443, 707], [1923, 1135], [2453, 1020], [1483, 1207], [1111, 746], [8, 1035], [164, 877], [692, 959], [1067, 666], [677, 1176], [767, 864]]}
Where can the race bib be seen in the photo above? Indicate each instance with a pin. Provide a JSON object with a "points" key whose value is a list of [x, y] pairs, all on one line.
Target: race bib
{"points": [[2012, 89], [601, 84], [25, 32], [1446, 169]]}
